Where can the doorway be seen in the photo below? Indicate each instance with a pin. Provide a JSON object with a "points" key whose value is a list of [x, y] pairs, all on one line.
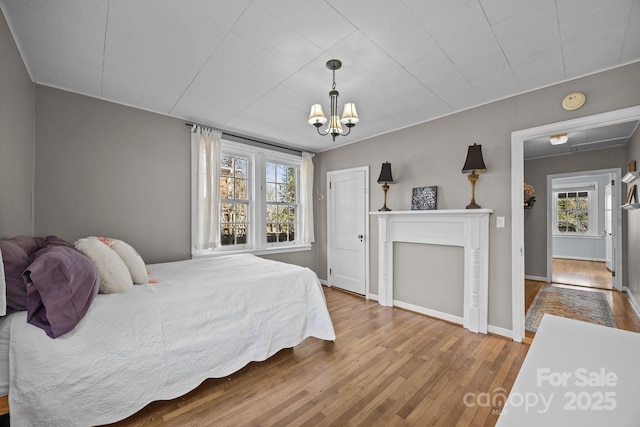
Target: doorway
{"points": [[580, 227], [348, 230], [517, 200]]}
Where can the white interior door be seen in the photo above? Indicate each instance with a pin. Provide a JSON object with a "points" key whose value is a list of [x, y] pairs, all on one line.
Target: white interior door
{"points": [[608, 226], [347, 229]]}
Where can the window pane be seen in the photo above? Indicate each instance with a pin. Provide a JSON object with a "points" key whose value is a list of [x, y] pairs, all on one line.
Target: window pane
{"points": [[241, 234], [281, 174], [241, 168], [272, 234], [226, 164], [271, 172], [231, 189], [562, 203], [241, 213], [582, 226], [282, 193], [226, 212], [224, 189], [240, 189], [226, 235], [292, 234], [583, 203], [271, 192]]}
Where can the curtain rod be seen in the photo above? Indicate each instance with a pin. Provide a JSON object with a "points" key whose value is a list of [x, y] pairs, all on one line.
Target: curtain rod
{"points": [[246, 138]]}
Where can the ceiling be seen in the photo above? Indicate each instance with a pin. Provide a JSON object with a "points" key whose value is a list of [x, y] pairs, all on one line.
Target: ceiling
{"points": [[254, 67], [597, 138]]}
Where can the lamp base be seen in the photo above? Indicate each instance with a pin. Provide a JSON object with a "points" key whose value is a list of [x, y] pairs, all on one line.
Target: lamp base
{"points": [[384, 209], [473, 205]]}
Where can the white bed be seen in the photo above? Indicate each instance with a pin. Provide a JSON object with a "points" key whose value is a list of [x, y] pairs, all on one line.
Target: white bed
{"points": [[205, 318]]}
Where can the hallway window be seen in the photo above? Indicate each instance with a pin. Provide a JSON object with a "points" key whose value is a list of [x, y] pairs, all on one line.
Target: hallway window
{"points": [[575, 211]]}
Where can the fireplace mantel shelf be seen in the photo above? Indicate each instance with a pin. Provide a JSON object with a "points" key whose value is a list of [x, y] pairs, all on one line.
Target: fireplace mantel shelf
{"points": [[468, 228], [440, 212]]}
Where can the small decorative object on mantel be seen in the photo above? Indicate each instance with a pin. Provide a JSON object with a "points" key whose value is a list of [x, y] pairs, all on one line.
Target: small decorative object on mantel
{"points": [[529, 198], [424, 198], [385, 179], [475, 165]]}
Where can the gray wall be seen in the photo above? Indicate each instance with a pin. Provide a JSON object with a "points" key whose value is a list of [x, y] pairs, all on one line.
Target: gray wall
{"points": [[109, 170], [632, 229], [16, 139], [433, 153], [535, 219]]}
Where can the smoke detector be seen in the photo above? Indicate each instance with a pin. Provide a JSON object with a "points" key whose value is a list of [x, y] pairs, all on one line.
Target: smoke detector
{"points": [[573, 101]]}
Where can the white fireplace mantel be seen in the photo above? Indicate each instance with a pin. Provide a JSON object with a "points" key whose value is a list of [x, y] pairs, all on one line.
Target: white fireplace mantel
{"points": [[468, 228]]}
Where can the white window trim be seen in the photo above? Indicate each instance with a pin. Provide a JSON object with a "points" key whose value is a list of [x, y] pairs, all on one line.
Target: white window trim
{"points": [[592, 188], [256, 239]]}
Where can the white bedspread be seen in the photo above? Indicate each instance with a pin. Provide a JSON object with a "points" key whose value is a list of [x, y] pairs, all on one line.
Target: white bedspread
{"points": [[206, 318]]}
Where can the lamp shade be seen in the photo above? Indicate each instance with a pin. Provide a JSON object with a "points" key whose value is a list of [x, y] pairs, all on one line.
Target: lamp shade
{"points": [[317, 115], [349, 114], [334, 125], [474, 161], [385, 174]]}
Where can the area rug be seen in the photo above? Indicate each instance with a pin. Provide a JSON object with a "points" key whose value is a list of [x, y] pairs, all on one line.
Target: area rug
{"points": [[572, 303]]}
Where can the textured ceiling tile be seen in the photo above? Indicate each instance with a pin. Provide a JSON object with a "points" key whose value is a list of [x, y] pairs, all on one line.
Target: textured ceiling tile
{"points": [[394, 30], [631, 47], [359, 12], [259, 28], [497, 85], [315, 29]]}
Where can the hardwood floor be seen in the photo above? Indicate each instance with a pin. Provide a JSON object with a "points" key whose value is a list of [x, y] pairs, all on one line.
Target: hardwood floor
{"points": [[588, 276], [593, 274], [387, 367]]}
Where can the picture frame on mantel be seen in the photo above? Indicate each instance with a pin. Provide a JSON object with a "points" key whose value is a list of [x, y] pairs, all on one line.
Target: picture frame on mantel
{"points": [[424, 198]]}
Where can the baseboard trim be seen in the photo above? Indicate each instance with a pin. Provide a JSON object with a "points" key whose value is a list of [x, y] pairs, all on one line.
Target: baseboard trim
{"points": [[633, 300], [579, 258], [507, 333], [429, 312], [373, 297], [536, 278]]}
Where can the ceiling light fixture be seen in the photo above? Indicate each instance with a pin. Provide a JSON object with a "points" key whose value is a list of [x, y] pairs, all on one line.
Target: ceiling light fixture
{"points": [[349, 114], [558, 139]]}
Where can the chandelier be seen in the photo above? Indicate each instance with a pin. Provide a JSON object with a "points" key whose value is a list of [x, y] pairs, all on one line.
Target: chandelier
{"points": [[349, 114]]}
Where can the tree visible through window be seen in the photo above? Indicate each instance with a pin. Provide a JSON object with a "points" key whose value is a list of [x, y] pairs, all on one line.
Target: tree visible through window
{"points": [[281, 202], [573, 212], [234, 199]]}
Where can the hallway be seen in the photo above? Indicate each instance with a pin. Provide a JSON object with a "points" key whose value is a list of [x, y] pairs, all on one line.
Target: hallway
{"points": [[588, 276]]}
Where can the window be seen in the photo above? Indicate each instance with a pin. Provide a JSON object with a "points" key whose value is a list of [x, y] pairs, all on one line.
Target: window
{"points": [[249, 199], [281, 202], [234, 199], [575, 210]]}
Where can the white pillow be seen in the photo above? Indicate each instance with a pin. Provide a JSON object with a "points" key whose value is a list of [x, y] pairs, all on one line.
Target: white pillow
{"points": [[3, 289], [114, 274], [132, 259]]}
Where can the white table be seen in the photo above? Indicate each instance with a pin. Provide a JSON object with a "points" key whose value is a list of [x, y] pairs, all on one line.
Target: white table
{"points": [[576, 374]]}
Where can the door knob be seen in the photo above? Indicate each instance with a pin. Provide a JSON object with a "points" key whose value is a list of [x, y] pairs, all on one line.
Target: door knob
{"points": [[360, 236]]}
